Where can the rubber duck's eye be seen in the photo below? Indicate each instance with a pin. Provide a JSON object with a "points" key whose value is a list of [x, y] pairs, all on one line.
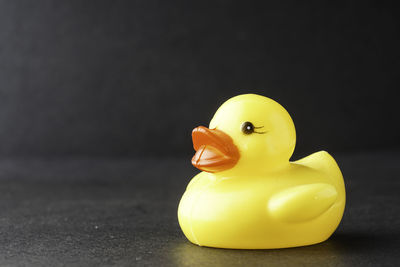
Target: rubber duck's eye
{"points": [[247, 127]]}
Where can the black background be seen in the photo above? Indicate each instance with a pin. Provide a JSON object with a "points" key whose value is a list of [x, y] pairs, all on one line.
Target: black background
{"points": [[98, 100], [132, 78]]}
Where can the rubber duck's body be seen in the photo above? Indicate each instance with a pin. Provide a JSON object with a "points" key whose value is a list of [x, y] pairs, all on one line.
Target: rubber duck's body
{"points": [[249, 196]]}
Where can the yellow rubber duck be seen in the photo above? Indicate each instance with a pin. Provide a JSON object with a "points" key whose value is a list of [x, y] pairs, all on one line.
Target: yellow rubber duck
{"points": [[249, 195]]}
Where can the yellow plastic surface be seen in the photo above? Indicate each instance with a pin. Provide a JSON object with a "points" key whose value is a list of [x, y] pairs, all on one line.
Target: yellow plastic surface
{"points": [[264, 201]]}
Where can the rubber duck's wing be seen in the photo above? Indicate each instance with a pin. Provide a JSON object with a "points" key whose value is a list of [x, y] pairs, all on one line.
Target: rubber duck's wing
{"points": [[302, 203]]}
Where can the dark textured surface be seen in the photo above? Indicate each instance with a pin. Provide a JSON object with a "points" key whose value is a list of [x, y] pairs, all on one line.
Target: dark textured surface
{"points": [[123, 213], [132, 78]]}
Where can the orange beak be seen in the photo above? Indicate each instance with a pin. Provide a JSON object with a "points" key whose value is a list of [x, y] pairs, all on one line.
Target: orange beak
{"points": [[215, 150]]}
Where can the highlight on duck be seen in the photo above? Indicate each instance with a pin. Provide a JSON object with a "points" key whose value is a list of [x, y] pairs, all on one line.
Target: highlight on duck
{"points": [[249, 194]]}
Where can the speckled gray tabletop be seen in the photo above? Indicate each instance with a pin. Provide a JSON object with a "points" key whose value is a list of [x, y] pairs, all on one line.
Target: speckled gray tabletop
{"points": [[122, 212]]}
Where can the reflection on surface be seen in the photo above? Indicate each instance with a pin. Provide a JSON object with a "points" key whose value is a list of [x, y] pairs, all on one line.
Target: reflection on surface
{"points": [[187, 254], [336, 251]]}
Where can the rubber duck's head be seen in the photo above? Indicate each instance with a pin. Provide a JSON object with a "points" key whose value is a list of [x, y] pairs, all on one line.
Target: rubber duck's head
{"points": [[247, 133]]}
